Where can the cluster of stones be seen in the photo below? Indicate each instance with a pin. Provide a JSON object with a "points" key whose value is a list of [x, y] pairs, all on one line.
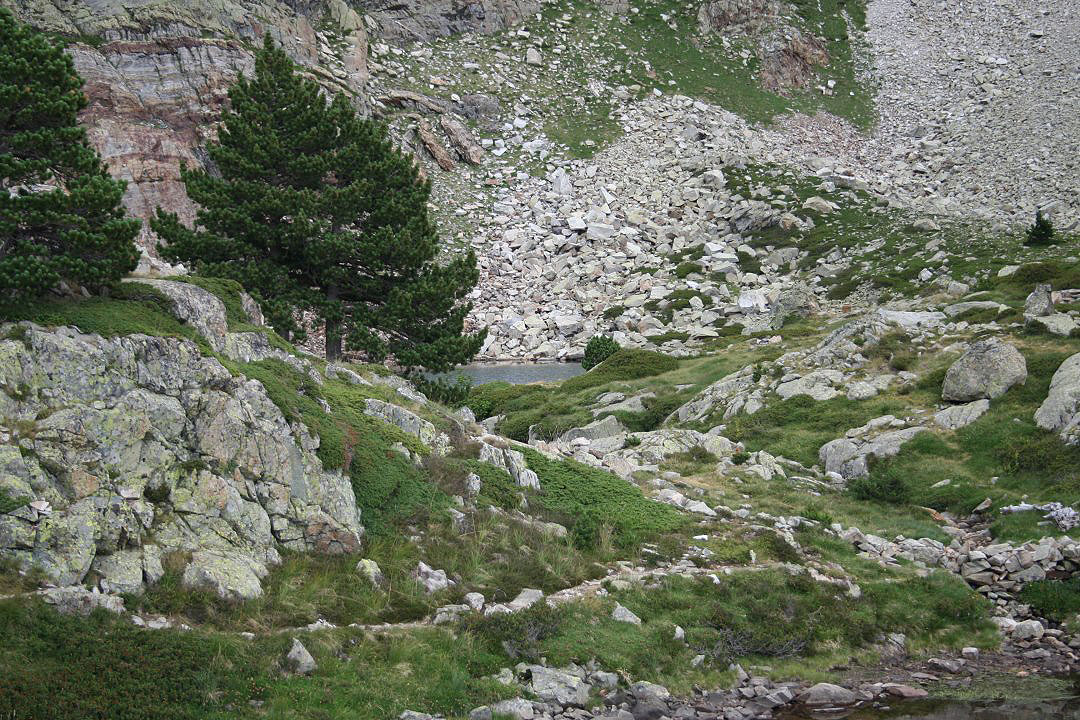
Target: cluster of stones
{"points": [[564, 694], [998, 570]]}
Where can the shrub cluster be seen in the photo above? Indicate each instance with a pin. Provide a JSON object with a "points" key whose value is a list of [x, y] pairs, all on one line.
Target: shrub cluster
{"points": [[599, 349]]}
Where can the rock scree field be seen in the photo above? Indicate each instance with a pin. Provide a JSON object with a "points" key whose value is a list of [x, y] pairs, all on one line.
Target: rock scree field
{"points": [[800, 280]]}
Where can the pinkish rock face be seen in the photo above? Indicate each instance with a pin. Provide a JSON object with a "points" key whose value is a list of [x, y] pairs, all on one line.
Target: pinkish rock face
{"points": [[157, 76], [153, 104]]}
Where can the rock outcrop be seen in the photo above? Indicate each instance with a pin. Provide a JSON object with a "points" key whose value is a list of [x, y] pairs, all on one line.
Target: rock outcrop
{"points": [[1060, 412], [429, 19], [137, 452]]}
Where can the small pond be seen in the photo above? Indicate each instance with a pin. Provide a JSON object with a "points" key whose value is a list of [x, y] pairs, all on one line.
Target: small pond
{"points": [[1067, 709], [517, 373]]}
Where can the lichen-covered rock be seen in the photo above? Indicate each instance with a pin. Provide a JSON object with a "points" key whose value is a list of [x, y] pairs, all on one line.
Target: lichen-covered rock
{"points": [[987, 370], [1060, 411], [80, 601], [729, 395], [431, 19], [850, 458], [512, 461], [410, 422], [201, 309], [139, 437], [958, 416]]}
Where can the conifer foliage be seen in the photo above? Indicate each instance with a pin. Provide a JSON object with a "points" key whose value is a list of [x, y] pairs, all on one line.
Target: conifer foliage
{"points": [[311, 207], [1041, 233], [60, 212]]}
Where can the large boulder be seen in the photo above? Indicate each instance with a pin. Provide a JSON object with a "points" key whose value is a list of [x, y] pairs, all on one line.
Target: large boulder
{"points": [[827, 695], [850, 458], [1060, 411], [557, 686], [986, 371], [143, 448], [410, 422]]}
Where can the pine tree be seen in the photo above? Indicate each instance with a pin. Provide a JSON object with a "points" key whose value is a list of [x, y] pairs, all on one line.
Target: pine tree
{"points": [[312, 207], [1041, 233], [60, 212]]}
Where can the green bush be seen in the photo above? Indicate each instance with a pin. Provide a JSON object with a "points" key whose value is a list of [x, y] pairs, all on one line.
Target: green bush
{"points": [[452, 393], [685, 269], [599, 349], [1041, 233], [519, 634], [657, 409], [883, 487], [626, 364]]}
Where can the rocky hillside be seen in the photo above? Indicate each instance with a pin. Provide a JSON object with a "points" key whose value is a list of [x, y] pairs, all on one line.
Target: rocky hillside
{"points": [[834, 464]]}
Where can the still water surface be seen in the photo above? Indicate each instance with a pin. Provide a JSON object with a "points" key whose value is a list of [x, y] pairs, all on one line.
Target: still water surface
{"points": [[517, 373], [1068, 709]]}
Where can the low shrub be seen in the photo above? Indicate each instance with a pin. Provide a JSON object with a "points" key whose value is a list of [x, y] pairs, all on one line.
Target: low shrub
{"points": [[520, 634], [598, 349], [685, 269], [883, 487], [1041, 233], [596, 499], [626, 364], [450, 392]]}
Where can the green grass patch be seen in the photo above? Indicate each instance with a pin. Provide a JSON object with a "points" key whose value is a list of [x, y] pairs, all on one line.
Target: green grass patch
{"points": [[756, 617], [129, 309], [1004, 443], [600, 502], [797, 427], [1053, 599], [626, 364], [55, 667]]}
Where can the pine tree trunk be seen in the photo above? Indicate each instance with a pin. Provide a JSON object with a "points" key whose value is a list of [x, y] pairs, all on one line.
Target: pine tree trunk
{"points": [[333, 330], [333, 341]]}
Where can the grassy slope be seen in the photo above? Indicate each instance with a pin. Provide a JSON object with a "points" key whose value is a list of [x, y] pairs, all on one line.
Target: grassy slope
{"points": [[211, 673], [657, 45]]}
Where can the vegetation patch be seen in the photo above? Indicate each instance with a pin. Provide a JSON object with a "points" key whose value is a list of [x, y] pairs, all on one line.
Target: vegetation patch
{"points": [[1053, 599], [626, 364], [600, 503], [796, 428], [951, 471]]}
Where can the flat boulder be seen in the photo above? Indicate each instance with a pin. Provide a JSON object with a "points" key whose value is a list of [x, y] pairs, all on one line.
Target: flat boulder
{"points": [[231, 576], [986, 371], [827, 695], [958, 416]]}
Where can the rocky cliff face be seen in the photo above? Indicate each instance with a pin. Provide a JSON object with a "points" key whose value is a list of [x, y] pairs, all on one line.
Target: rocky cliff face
{"points": [[137, 447], [157, 75], [422, 20]]}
